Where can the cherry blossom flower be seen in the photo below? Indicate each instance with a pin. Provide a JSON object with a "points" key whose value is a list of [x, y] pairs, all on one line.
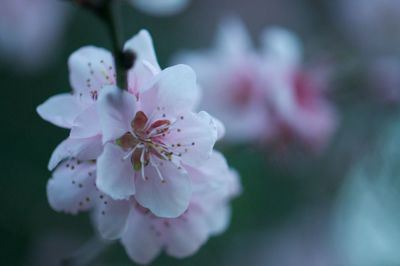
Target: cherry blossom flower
{"points": [[26, 35], [160, 8], [144, 235], [147, 136], [262, 95]]}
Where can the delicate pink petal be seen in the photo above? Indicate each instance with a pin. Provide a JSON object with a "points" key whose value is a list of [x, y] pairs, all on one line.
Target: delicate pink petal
{"points": [[91, 68], [116, 109], [233, 39], [192, 138], [166, 193], [86, 124], [141, 76], [282, 46], [174, 90], [72, 187], [115, 174], [82, 149], [60, 110], [218, 219], [141, 242], [111, 216], [186, 234], [142, 45]]}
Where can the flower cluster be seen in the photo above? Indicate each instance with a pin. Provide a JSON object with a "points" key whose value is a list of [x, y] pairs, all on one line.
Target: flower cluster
{"points": [[268, 96], [142, 159]]}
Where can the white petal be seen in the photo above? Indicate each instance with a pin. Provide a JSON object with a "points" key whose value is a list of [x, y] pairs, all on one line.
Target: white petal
{"points": [[111, 216], [60, 110], [90, 68], [282, 45], [86, 124], [82, 149], [115, 175], [233, 38], [141, 242], [174, 90], [161, 8], [192, 138], [186, 234], [167, 195], [72, 187], [142, 45], [116, 109]]}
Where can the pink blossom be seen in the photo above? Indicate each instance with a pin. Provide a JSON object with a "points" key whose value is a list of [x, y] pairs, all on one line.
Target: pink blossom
{"points": [[161, 8], [143, 139], [27, 36], [143, 234], [262, 95]]}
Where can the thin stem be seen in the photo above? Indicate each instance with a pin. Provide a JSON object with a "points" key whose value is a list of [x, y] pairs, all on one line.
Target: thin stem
{"points": [[112, 25], [86, 253], [104, 10]]}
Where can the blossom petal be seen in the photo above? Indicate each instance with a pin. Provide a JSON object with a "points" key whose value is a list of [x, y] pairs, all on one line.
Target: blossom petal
{"points": [[60, 110], [282, 46], [82, 149], [86, 124], [72, 188], [142, 45], [167, 193], [141, 242], [186, 234], [111, 216], [233, 39], [174, 90], [90, 68], [192, 138], [116, 109], [115, 175], [218, 220]]}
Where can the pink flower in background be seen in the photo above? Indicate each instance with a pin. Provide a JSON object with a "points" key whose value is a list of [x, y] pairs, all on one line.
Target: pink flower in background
{"points": [[27, 36], [265, 95], [160, 8], [295, 95]]}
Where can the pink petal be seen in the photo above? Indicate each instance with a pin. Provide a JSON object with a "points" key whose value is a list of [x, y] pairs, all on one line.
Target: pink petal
{"points": [[192, 138], [116, 109], [82, 149], [111, 216], [115, 175], [166, 194], [233, 39], [86, 124], [90, 68], [72, 187], [186, 234], [142, 45], [60, 110], [173, 91], [141, 242]]}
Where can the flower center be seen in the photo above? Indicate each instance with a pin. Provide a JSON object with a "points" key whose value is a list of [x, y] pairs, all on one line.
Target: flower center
{"points": [[145, 139]]}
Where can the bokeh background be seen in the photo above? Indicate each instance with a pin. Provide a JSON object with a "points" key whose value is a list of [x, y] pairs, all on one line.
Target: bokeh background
{"points": [[296, 205]]}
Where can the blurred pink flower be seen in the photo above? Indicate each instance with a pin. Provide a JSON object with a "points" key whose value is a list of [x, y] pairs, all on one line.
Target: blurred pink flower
{"points": [[160, 8], [72, 188], [28, 37], [265, 95]]}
